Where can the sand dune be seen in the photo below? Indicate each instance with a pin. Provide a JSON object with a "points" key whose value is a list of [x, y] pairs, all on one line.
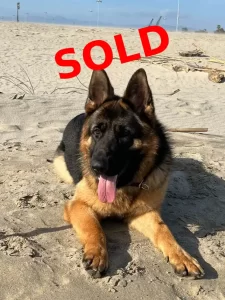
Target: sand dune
{"points": [[40, 257]]}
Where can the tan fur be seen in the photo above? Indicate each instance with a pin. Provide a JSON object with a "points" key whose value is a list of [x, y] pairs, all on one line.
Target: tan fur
{"points": [[137, 144], [90, 233], [122, 104], [143, 201], [141, 209], [87, 143], [61, 169], [151, 225], [143, 214]]}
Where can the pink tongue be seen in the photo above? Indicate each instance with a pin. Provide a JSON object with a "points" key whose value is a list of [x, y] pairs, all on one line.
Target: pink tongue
{"points": [[107, 189]]}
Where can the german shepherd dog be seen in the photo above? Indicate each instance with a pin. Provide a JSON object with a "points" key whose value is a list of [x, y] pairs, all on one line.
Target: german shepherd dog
{"points": [[119, 157]]}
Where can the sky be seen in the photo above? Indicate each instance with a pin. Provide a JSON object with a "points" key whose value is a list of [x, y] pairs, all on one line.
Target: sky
{"points": [[194, 14]]}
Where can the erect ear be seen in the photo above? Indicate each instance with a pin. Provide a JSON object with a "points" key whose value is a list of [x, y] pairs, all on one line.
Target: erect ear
{"points": [[100, 89], [138, 92]]}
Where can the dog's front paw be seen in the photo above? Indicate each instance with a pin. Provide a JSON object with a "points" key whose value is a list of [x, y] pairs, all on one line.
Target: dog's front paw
{"points": [[184, 264], [95, 260]]}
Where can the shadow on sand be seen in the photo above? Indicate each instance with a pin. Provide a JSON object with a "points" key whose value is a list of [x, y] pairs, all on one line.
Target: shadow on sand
{"points": [[193, 209]]}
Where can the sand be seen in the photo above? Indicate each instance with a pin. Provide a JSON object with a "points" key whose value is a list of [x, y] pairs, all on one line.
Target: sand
{"points": [[39, 253]]}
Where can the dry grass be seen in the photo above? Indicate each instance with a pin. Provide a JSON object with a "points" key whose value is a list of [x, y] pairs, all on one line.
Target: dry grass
{"points": [[23, 84]]}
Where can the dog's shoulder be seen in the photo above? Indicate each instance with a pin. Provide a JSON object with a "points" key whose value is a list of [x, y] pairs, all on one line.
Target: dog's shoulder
{"points": [[74, 128]]}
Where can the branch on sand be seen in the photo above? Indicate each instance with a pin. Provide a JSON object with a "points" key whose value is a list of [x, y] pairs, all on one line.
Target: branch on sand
{"points": [[216, 60], [73, 90], [186, 62], [203, 69], [66, 88], [193, 53], [190, 130]]}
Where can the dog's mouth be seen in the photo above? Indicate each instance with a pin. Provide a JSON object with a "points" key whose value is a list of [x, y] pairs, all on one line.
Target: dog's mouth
{"points": [[107, 188]]}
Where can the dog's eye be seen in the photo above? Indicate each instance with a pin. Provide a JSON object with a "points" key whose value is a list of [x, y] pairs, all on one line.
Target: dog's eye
{"points": [[124, 132], [96, 132]]}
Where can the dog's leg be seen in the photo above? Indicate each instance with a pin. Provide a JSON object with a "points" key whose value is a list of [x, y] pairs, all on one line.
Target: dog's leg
{"points": [[153, 227], [91, 235]]}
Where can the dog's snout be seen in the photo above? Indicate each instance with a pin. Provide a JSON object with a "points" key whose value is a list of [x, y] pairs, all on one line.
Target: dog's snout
{"points": [[99, 162], [99, 166]]}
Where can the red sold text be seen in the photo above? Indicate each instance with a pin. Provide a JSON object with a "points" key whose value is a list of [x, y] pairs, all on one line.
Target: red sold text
{"points": [[124, 57]]}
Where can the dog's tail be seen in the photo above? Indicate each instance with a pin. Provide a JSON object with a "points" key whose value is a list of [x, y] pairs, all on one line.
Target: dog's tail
{"points": [[60, 164]]}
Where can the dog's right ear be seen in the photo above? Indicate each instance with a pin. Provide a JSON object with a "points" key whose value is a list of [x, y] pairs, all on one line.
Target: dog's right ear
{"points": [[100, 89]]}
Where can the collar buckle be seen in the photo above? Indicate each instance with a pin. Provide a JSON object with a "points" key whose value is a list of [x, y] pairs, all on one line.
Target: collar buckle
{"points": [[143, 186]]}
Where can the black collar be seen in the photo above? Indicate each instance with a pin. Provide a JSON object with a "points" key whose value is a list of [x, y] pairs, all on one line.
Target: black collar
{"points": [[142, 185]]}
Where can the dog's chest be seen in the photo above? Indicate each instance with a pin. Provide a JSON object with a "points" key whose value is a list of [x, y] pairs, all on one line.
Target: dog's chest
{"points": [[120, 207]]}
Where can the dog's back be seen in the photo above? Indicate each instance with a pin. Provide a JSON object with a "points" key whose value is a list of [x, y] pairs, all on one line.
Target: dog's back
{"points": [[67, 157]]}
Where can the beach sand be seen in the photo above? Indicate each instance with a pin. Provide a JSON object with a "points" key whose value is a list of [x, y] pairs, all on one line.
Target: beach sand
{"points": [[39, 253]]}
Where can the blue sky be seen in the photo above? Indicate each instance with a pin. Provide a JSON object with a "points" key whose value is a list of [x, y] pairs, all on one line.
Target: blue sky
{"points": [[197, 14]]}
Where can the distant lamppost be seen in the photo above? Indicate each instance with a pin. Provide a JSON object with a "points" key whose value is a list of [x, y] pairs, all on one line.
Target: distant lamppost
{"points": [[178, 14], [46, 16], [98, 3], [90, 11], [18, 8]]}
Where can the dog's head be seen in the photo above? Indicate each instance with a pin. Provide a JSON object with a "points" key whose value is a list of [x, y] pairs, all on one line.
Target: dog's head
{"points": [[118, 131]]}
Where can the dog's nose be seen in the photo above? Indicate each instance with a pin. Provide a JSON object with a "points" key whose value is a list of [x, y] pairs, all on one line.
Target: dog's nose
{"points": [[99, 166]]}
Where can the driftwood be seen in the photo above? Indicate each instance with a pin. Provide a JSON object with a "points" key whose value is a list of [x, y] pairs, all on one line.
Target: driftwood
{"points": [[187, 129], [179, 68], [216, 77], [203, 69], [188, 65], [194, 53], [157, 59], [173, 93], [218, 61], [193, 68]]}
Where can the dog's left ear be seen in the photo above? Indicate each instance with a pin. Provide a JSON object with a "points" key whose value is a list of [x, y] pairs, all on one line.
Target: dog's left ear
{"points": [[138, 92], [100, 89]]}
